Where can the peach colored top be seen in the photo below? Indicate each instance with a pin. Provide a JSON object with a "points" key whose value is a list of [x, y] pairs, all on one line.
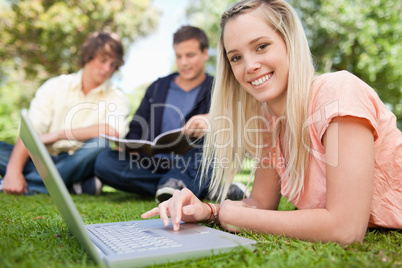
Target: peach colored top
{"points": [[343, 94]]}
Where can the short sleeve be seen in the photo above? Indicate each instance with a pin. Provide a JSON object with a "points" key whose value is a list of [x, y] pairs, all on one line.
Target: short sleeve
{"points": [[343, 94], [41, 108]]}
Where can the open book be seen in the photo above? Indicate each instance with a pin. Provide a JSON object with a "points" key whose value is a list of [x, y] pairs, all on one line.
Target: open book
{"points": [[172, 141]]}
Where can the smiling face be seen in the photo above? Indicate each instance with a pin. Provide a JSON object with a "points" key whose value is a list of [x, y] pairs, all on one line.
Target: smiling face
{"points": [[258, 58]]}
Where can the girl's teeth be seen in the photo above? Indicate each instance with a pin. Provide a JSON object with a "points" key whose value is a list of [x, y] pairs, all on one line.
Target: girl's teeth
{"points": [[261, 80]]}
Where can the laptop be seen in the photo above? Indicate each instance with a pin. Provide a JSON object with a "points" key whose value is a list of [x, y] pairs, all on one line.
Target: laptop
{"points": [[131, 243]]}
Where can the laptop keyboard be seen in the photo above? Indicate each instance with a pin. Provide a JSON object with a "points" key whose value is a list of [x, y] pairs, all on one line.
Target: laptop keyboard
{"points": [[131, 237]]}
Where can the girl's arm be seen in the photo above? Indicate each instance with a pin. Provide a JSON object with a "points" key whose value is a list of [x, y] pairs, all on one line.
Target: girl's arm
{"points": [[266, 192], [349, 142]]}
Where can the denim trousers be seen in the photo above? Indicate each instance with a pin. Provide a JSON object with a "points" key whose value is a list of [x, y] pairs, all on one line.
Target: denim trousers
{"points": [[72, 168], [142, 175]]}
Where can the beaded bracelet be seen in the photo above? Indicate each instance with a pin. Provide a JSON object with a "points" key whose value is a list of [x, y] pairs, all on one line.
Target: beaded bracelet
{"points": [[214, 214]]}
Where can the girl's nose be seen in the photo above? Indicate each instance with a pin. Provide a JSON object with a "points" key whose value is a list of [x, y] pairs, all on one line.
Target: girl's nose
{"points": [[252, 65]]}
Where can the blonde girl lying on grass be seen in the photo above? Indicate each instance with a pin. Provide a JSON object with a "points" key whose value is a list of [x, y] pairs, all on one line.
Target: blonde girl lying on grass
{"points": [[327, 143]]}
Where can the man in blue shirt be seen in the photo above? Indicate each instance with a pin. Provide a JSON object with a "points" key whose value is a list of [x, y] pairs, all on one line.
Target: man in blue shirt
{"points": [[179, 99]]}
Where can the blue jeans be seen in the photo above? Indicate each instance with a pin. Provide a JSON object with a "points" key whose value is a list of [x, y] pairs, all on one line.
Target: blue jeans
{"points": [[72, 168], [142, 175]]}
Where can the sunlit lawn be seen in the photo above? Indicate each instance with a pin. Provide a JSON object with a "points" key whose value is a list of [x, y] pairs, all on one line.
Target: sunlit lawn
{"points": [[33, 234]]}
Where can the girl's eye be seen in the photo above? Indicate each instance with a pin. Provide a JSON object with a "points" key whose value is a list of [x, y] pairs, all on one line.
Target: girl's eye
{"points": [[235, 58], [261, 47]]}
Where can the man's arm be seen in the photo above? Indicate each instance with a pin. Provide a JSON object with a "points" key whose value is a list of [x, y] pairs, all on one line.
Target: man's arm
{"points": [[79, 134], [14, 181]]}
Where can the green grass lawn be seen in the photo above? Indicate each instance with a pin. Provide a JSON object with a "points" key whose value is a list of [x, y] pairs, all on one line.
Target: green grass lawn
{"points": [[33, 234]]}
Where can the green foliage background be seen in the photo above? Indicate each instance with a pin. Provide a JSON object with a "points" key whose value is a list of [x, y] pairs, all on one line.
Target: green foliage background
{"points": [[40, 39], [361, 36]]}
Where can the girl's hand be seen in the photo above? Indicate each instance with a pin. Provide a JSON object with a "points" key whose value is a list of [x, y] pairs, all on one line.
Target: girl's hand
{"points": [[183, 206]]}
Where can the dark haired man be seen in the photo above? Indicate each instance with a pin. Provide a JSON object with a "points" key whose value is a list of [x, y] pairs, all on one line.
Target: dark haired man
{"points": [[70, 112], [181, 98]]}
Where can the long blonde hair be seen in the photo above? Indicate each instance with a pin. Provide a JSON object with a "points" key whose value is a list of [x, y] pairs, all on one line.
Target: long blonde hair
{"points": [[224, 151]]}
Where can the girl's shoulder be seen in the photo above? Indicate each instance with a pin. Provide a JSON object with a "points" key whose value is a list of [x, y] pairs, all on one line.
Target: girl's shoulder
{"points": [[344, 94], [341, 85], [340, 80]]}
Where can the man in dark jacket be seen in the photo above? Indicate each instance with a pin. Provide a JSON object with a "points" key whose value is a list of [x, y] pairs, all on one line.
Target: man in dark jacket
{"points": [[177, 100]]}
